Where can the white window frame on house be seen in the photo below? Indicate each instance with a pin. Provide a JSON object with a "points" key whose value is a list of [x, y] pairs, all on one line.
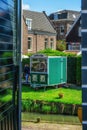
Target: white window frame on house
{"points": [[29, 23], [51, 43], [45, 43], [62, 28], [30, 41]]}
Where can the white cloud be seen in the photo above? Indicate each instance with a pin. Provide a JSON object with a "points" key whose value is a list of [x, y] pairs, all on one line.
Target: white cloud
{"points": [[26, 7]]}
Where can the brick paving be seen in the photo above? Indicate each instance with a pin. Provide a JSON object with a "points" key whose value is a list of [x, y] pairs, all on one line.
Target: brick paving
{"points": [[50, 126]]}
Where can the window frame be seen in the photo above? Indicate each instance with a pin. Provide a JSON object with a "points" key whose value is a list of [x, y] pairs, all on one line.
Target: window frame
{"points": [[30, 43], [45, 43], [62, 29], [52, 43], [29, 23]]}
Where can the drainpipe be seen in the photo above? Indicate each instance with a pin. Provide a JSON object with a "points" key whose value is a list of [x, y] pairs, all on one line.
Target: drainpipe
{"points": [[36, 40]]}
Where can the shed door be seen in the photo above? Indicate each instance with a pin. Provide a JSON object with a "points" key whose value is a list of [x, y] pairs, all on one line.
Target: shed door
{"points": [[8, 78]]}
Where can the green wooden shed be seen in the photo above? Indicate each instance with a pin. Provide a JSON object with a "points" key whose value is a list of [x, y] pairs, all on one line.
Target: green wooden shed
{"points": [[47, 70]]}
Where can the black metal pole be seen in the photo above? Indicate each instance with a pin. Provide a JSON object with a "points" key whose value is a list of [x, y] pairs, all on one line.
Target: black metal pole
{"points": [[19, 42], [84, 63]]}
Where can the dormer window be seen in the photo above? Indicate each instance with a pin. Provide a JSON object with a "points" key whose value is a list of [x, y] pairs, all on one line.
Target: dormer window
{"points": [[29, 23]]}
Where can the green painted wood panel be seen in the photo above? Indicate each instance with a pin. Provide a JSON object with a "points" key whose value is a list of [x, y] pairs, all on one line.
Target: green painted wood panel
{"points": [[39, 78], [54, 71], [57, 70]]}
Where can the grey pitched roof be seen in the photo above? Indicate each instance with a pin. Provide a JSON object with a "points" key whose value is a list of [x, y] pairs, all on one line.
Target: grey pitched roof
{"points": [[40, 21], [71, 14]]}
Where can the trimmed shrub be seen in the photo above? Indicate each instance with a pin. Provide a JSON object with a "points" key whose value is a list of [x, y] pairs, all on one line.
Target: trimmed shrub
{"points": [[71, 70], [74, 70], [78, 70]]}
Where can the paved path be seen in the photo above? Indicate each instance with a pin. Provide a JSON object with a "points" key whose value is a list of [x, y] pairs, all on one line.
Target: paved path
{"points": [[50, 126]]}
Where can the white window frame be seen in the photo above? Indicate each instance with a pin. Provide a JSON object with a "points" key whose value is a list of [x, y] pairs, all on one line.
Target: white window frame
{"points": [[46, 43], [62, 28], [52, 43], [29, 23], [31, 42]]}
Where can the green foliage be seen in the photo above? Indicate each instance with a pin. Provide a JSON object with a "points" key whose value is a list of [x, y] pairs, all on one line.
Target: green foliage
{"points": [[36, 107], [7, 54], [61, 45], [26, 105], [78, 70], [50, 52], [71, 70], [49, 102], [74, 70], [46, 109]]}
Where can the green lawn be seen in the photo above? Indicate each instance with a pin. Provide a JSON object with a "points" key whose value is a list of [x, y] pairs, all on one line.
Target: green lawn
{"points": [[71, 96]]}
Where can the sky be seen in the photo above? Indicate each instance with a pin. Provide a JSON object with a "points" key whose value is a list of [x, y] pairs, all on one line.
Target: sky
{"points": [[50, 6]]}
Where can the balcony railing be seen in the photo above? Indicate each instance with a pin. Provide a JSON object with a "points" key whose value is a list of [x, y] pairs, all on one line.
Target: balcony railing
{"points": [[74, 46]]}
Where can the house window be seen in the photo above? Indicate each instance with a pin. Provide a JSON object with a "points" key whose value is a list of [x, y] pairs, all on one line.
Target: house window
{"points": [[29, 43], [62, 15], [62, 30], [46, 43], [51, 43], [29, 23], [55, 16]]}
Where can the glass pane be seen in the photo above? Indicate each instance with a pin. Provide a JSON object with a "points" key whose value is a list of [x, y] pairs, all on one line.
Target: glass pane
{"points": [[7, 43], [39, 65]]}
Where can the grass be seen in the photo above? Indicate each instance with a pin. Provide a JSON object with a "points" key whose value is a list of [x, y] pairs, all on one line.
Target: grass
{"points": [[7, 96], [70, 96]]}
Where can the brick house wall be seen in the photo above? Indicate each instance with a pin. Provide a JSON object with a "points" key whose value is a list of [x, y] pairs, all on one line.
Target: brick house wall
{"points": [[25, 36], [57, 24], [37, 40], [63, 18]]}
